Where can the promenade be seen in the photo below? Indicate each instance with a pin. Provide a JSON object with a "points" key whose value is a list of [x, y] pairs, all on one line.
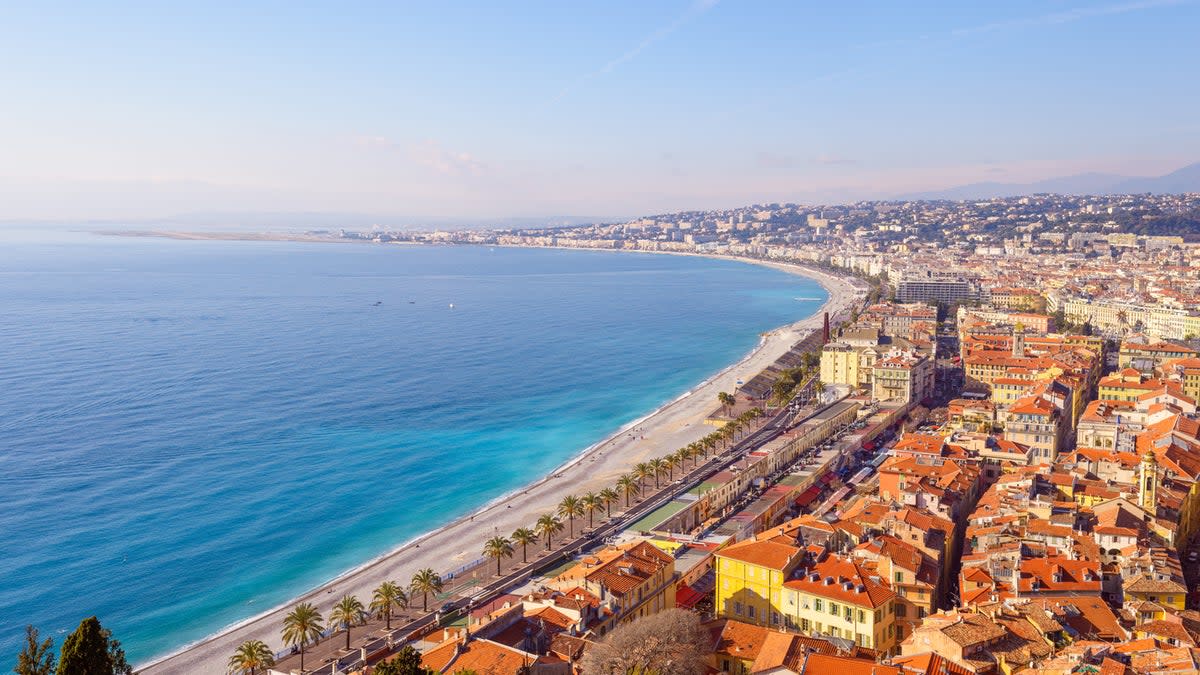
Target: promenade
{"points": [[458, 544]]}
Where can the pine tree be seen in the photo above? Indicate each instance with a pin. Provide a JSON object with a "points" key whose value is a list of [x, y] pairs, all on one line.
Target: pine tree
{"points": [[85, 652]]}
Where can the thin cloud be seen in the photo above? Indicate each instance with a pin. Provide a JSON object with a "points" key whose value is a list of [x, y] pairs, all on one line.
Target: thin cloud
{"points": [[697, 8], [834, 160], [432, 155], [429, 154], [1066, 16]]}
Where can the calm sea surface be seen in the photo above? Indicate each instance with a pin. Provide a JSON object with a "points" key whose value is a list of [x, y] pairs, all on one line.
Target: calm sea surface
{"points": [[193, 432]]}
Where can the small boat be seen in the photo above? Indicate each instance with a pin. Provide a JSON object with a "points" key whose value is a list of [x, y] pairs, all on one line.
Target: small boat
{"points": [[452, 305], [378, 303]]}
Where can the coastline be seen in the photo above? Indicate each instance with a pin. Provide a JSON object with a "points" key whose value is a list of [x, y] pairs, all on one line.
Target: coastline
{"points": [[670, 426]]}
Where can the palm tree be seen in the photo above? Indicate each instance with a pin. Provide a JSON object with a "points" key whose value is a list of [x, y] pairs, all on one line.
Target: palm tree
{"points": [[548, 526], [250, 657], [388, 596], [642, 471], [347, 612], [657, 466], [425, 582], [629, 485], [727, 400], [591, 504], [570, 508], [302, 624], [498, 547], [524, 537], [709, 443], [608, 497], [669, 463]]}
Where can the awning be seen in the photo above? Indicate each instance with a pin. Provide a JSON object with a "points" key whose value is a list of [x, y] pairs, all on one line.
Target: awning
{"points": [[687, 597], [828, 478], [808, 496]]}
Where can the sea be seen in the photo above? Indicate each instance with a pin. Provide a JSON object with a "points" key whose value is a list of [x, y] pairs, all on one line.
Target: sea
{"points": [[193, 432]]}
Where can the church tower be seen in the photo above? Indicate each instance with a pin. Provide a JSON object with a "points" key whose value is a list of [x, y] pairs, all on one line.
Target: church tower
{"points": [[1148, 492]]}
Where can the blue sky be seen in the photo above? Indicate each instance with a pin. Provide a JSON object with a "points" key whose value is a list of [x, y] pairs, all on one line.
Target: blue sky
{"points": [[457, 109]]}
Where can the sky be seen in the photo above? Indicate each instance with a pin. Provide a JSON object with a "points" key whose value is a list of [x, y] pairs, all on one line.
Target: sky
{"points": [[479, 110]]}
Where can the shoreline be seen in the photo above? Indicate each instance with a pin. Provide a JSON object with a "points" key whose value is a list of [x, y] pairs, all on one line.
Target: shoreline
{"points": [[671, 425]]}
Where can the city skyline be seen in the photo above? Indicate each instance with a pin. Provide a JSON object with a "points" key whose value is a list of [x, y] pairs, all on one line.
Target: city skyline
{"points": [[602, 110]]}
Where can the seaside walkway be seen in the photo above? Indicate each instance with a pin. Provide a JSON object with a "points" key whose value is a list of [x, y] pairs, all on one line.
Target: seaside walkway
{"points": [[332, 658]]}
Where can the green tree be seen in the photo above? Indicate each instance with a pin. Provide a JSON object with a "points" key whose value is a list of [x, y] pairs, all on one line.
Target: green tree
{"points": [[346, 613], [116, 655], [629, 485], [498, 547], [570, 508], [387, 597], [608, 497], [523, 537], [642, 471], [302, 625], [37, 658], [591, 504], [426, 581], [251, 657], [727, 400], [406, 662], [547, 526], [85, 651], [657, 466]]}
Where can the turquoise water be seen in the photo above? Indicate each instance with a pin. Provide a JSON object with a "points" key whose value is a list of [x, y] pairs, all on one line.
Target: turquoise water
{"points": [[193, 432]]}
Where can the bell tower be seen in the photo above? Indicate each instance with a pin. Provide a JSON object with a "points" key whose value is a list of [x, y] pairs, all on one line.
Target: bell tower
{"points": [[1148, 484]]}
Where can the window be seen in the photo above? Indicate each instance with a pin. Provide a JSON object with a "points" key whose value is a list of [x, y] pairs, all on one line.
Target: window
{"points": [[750, 609], [849, 614], [804, 625], [899, 577], [737, 608], [862, 616], [819, 605], [879, 616], [1170, 599], [775, 618], [901, 611], [920, 612], [833, 608]]}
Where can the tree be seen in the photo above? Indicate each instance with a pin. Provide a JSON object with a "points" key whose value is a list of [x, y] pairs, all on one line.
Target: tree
{"points": [[406, 662], [658, 466], [570, 508], [387, 597], [608, 497], [547, 526], [498, 547], [667, 643], [85, 651], [591, 504], [426, 581], [727, 400], [346, 613], [669, 463], [116, 655], [629, 485], [37, 658], [302, 625], [523, 537], [251, 657], [642, 471]]}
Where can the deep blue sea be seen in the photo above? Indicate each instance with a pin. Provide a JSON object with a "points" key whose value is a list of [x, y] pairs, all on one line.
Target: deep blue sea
{"points": [[192, 432]]}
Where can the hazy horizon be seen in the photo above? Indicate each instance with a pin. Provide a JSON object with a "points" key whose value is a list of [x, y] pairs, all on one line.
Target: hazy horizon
{"points": [[482, 113]]}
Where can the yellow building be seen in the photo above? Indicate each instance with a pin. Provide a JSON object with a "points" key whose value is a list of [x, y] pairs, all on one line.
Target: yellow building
{"points": [[632, 580], [841, 597], [750, 576], [839, 364]]}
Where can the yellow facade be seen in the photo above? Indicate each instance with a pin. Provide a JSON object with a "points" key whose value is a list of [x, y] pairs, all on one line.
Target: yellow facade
{"points": [[839, 366], [812, 614], [750, 578]]}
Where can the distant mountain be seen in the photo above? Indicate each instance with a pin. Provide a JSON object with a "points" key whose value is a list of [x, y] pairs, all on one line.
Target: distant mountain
{"points": [[1186, 179]]}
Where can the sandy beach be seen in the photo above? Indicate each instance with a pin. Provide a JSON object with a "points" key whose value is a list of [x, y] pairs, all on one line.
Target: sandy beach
{"points": [[670, 427]]}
